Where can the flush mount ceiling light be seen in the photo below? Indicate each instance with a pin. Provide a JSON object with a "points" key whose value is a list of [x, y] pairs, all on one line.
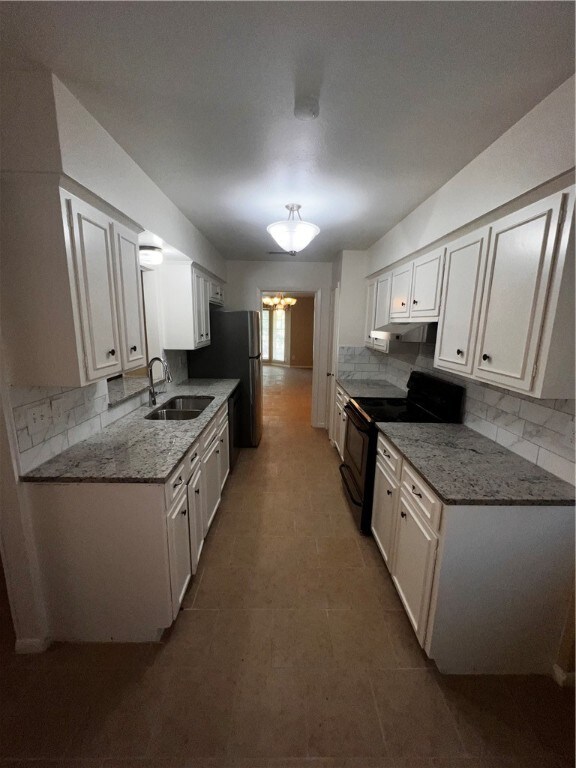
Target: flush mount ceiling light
{"points": [[150, 255], [278, 302], [293, 234]]}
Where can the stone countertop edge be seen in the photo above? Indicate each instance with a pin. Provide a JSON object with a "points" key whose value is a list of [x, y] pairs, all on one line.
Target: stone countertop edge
{"points": [[446, 457], [134, 449], [369, 388]]}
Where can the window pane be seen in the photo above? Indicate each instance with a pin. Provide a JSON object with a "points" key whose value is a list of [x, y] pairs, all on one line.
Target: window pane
{"points": [[265, 335], [278, 335]]}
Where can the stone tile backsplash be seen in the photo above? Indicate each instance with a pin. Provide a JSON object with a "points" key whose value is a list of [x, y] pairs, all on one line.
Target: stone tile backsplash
{"points": [[538, 430], [72, 415]]}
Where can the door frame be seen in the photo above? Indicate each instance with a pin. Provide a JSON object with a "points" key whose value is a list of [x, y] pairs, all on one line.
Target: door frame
{"points": [[318, 419]]}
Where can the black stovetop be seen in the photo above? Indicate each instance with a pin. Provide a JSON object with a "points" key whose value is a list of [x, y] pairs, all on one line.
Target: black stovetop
{"points": [[429, 400]]}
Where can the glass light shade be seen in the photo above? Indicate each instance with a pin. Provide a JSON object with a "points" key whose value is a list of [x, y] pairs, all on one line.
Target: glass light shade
{"points": [[151, 257], [293, 235]]}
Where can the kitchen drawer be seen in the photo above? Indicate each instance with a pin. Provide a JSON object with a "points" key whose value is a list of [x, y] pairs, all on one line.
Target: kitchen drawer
{"points": [[177, 481], [192, 459], [421, 497], [222, 416], [390, 457], [209, 434]]}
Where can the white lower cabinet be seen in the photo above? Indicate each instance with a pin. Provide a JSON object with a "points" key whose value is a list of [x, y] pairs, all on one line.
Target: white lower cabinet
{"points": [[485, 586], [196, 518], [386, 492], [179, 550], [413, 565], [340, 420], [116, 559]]}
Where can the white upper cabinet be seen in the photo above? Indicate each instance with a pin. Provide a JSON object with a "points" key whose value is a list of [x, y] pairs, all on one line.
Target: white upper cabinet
{"points": [[518, 272], [426, 286], [401, 292], [129, 295], [370, 308], [184, 297], [462, 292], [216, 293], [508, 301], [94, 263], [382, 309]]}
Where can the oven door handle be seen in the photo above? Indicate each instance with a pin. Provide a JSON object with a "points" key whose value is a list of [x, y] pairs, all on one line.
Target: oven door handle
{"points": [[358, 421], [345, 471]]}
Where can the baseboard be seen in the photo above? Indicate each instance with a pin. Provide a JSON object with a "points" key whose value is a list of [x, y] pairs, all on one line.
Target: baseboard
{"points": [[564, 679], [32, 644]]}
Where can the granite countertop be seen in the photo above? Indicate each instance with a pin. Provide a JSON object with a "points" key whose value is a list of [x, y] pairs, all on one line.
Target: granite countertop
{"points": [[464, 467], [133, 449], [370, 388]]}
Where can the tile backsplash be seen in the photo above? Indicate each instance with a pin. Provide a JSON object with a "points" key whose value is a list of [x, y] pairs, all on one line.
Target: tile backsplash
{"points": [[539, 430], [48, 420]]}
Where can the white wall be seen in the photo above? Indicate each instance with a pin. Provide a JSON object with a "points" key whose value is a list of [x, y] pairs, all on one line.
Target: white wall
{"points": [[46, 129], [247, 278], [537, 148]]}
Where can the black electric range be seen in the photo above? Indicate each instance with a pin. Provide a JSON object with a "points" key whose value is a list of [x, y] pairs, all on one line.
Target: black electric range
{"points": [[429, 399]]}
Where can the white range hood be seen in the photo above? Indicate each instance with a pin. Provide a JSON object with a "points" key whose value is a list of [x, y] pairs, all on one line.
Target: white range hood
{"points": [[411, 332]]}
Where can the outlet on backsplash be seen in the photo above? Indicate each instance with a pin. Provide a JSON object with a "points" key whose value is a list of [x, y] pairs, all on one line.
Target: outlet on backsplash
{"points": [[38, 418]]}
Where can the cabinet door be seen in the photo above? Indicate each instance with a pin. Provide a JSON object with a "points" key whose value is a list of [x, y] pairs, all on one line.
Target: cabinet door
{"points": [[211, 478], [461, 291], [198, 299], [196, 521], [179, 318], [413, 566], [179, 550], [517, 276], [384, 513], [426, 285], [343, 422], [382, 312], [370, 308], [206, 310], [94, 263], [400, 291], [224, 455], [129, 297]]}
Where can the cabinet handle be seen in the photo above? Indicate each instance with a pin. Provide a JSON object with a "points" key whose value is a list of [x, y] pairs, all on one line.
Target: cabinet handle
{"points": [[402, 514], [459, 352], [415, 492], [414, 301], [388, 492], [177, 483], [386, 454], [112, 352], [486, 357], [197, 491], [134, 348]]}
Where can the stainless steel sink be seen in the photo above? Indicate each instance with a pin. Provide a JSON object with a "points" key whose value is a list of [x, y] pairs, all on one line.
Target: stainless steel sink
{"points": [[166, 414], [188, 403]]}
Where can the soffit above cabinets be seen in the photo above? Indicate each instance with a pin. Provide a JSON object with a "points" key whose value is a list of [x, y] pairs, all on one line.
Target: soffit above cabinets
{"points": [[202, 95]]}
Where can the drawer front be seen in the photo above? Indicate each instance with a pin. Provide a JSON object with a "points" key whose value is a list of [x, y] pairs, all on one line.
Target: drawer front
{"points": [[421, 497], [389, 456], [192, 459], [209, 434], [222, 416], [177, 482]]}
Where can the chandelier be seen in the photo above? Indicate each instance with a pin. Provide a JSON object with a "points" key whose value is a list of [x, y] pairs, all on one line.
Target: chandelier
{"points": [[293, 234], [278, 302]]}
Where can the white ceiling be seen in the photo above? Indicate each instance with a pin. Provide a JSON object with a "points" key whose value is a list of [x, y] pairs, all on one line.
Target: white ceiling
{"points": [[201, 95]]}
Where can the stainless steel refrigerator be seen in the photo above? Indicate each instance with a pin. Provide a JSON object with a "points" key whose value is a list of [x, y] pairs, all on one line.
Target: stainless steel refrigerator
{"points": [[235, 353]]}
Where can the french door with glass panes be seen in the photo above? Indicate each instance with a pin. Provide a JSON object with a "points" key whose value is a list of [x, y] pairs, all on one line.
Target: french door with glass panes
{"points": [[275, 336]]}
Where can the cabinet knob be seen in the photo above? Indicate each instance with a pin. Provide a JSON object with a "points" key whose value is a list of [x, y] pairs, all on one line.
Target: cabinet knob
{"points": [[486, 357], [414, 301], [217, 451], [201, 335], [134, 348], [184, 511], [403, 303], [402, 514], [197, 491], [111, 352], [389, 492], [459, 352], [221, 439]]}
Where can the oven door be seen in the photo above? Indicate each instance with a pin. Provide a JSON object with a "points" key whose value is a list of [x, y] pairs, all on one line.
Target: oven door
{"points": [[356, 458]]}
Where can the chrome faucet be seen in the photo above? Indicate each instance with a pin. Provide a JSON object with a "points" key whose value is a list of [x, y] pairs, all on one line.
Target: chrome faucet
{"points": [[167, 378]]}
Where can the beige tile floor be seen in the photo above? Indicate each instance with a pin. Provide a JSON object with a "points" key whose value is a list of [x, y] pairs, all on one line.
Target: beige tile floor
{"points": [[292, 650]]}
